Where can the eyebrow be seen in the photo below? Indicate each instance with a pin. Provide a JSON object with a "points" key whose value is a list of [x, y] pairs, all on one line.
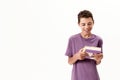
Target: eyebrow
{"points": [[85, 23]]}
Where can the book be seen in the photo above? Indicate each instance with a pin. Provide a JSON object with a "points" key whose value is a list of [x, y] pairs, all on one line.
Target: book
{"points": [[91, 50]]}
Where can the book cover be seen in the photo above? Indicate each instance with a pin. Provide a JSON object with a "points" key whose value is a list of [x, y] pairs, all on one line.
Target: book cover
{"points": [[91, 50]]}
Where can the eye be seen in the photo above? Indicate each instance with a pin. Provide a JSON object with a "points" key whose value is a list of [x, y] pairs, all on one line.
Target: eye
{"points": [[83, 24], [89, 23]]}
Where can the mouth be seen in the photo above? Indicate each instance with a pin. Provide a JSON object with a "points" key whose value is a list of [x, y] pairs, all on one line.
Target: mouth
{"points": [[87, 30]]}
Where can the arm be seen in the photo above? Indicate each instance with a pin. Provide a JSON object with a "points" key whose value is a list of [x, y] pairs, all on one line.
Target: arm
{"points": [[80, 55], [98, 58], [73, 59]]}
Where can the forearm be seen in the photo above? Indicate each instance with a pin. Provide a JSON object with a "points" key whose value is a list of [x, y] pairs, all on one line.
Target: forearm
{"points": [[98, 58], [80, 55], [72, 60]]}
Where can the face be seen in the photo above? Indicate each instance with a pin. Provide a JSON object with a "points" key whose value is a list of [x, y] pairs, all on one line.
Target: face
{"points": [[86, 25]]}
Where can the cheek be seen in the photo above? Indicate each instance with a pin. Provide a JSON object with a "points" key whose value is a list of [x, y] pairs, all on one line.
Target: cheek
{"points": [[82, 27], [90, 27]]}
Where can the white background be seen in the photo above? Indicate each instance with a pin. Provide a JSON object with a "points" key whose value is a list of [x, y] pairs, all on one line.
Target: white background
{"points": [[34, 36]]}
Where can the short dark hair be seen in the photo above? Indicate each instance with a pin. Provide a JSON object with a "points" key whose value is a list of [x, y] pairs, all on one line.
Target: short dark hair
{"points": [[85, 14]]}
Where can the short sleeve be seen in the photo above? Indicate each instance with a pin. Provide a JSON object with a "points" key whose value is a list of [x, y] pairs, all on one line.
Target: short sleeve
{"points": [[100, 44], [69, 48]]}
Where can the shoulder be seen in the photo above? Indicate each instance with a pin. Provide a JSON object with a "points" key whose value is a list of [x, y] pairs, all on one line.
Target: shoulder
{"points": [[97, 37], [100, 41], [75, 36]]}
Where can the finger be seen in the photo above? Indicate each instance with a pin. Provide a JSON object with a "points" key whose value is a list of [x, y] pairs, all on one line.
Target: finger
{"points": [[83, 49], [80, 50]]}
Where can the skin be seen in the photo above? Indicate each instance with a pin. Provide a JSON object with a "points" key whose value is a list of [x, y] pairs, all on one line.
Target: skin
{"points": [[86, 25]]}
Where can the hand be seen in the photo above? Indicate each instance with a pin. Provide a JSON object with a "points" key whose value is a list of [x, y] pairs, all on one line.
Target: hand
{"points": [[98, 57], [81, 54], [98, 62]]}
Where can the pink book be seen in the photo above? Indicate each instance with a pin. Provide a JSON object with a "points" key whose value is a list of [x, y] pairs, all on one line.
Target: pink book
{"points": [[92, 50]]}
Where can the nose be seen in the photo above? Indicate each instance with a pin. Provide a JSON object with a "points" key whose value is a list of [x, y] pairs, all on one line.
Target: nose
{"points": [[86, 26]]}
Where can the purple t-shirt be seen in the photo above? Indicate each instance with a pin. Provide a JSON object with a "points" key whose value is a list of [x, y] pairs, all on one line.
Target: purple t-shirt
{"points": [[83, 69]]}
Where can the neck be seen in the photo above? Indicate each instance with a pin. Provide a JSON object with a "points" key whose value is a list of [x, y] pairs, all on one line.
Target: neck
{"points": [[85, 35]]}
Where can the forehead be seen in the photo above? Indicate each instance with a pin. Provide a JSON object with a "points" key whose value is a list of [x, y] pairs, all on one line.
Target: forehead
{"points": [[86, 20]]}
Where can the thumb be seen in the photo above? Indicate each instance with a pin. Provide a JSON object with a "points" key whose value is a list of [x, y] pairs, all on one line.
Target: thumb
{"points": [[83, 50]]}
